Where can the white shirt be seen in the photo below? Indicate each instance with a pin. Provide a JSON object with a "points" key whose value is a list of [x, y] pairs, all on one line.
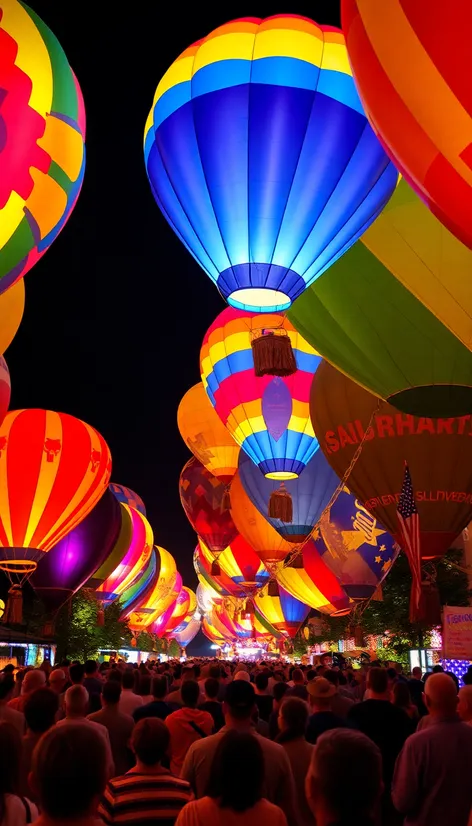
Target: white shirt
{"points": [[101, 730], [16, 811], [129, 701]]}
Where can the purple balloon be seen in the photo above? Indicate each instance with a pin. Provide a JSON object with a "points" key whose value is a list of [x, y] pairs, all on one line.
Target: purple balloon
{"points": [[70, 563]]}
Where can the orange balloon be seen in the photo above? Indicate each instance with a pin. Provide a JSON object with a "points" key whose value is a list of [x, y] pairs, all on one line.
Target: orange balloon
{"points": [[205, 434]]}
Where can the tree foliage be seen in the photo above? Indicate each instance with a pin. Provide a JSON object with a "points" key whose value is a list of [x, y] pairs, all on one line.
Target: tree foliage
{"points": [[173, 649]]}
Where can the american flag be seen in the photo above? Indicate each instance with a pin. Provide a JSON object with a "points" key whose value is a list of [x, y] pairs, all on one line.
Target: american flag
{"points": [[409, 523]]}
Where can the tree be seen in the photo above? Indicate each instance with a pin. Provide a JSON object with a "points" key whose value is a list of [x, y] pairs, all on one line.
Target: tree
{"points": [[78, 634], [173, 650]]}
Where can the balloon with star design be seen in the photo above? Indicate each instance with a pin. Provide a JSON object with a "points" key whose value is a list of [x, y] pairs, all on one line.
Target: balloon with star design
{"points": [[355, 546]]}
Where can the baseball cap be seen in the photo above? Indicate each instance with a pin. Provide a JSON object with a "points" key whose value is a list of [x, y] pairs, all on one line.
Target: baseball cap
{"points": [[240, 695], [321, 688]]}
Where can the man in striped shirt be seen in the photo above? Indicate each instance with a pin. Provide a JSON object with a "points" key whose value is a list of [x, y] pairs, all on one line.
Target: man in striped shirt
{"points": [[148, 793]]}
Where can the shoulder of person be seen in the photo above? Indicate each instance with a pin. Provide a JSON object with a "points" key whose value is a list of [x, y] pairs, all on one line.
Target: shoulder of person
{"points": [[20, 810]]}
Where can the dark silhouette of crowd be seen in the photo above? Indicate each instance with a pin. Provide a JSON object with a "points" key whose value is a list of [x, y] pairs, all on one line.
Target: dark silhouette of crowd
{"points": [[219, 743]]}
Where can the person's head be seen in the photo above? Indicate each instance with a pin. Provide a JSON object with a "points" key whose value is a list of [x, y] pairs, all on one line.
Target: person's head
{"points": [[214, 672], [90, 668], [261, 681], [344, 781], [10, 759], [33, 679], [212, 687], [127, 680], [190, 693], [150, 741], [177, 672], [438, 669], [293, 717], [144, 685], [417, 673], [7, 685], [332, 677], [68, 774], [310, 675], [40, 710], [440, 694], [239, 702], [377, 682], [401, 695], [159, 688], [57, 680], [111, 693], [465, 703], [77, 701], [76, 674], [114, 675], [392, 677], [297, 676], [187, 674], [242, 676], [9, 669], [320, 670], [454, 678], [279, 691], [237, 771], [467, 678], [320, 694]]}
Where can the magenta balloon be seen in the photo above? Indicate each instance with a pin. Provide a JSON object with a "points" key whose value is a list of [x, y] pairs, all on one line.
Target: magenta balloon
{"points": [[67, 566]]}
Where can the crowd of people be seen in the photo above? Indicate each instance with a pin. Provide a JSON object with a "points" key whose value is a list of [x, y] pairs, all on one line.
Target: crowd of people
{"points": [[216, 743]]}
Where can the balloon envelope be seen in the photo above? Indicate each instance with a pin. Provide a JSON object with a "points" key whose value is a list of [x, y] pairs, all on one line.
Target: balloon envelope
{"points": [[71, 562], [310, 580], [141, 587], [203, 498], [42, 161], [12, 305], [186, 636], [284, 612], [163, 593], [241, 564], [438, 453], [355, 547], [310, 492], [261, 158], [268, 415], [128, 497], [412, 69], [205, 434]]}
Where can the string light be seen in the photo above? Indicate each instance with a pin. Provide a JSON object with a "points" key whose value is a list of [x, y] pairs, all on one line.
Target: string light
{"points": [[457, 667]]}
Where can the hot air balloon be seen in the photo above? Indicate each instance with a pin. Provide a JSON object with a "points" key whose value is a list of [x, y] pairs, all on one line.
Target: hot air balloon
{"points": [[217, 636], [261, 158], [355, 547], [310, 580], [70, 563], [159, 626], [310, 493], [141, 587], [240, 622], [271, 548], [164, 592], [12, 305], [205, 597], [438, 453], [43, 133], [394, 312], [205, 502], [283, 611], [129, 556], [128, 497], [185, 637], [53, 470], [412, 69], [184, 619], [204, 568], [5, 388], [241, 564], [267, 415], [205, 435]]}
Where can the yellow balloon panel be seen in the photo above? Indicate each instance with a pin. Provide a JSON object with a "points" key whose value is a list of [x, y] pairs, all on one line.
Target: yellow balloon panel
{"points": [[205, 434], [12, 305]]}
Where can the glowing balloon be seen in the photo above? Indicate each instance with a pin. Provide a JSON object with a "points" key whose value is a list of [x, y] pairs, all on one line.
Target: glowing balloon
{"points": [[141, 587], [70, 563], [163, 593], [159, 625], [53, 470], [128, 497], [217, 580], [283, 611], [395, 312], [129, 556], [189, 633], [355, 547], [241, 564], [205, 502], [269, 545], [12, 305], [42, 158], [5, 388], [205, 435], [268, 416], [412, 69], [205, 597], [311, 581], [184, 618], [261, 158], [217, 636], [438, 453], [310, 493]]}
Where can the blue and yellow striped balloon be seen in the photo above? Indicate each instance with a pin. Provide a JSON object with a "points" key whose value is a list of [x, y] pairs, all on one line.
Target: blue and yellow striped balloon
{"points": [[261, 159]]}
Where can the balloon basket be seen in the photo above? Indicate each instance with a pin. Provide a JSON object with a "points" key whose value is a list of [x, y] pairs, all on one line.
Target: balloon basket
{"points": [[215, 568], [273, 354], [273, 589], [281, 505], [13, 614]]}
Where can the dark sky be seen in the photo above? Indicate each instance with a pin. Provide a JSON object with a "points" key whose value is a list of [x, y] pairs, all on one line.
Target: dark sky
{"points": [[117, 308]]}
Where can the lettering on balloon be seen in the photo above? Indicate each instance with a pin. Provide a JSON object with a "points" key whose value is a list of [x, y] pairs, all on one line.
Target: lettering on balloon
{"points": [[420, 496], [389, 427]]}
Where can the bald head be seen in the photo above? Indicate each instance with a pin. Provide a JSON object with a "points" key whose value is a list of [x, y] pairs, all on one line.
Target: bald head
{"points": [[441, 695], [76, 700], [33, 680]]}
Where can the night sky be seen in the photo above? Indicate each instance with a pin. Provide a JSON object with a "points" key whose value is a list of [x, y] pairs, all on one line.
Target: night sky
{"points": [[117, 308]]}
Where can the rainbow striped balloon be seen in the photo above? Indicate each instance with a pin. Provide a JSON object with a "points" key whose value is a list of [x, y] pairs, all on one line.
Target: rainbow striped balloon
{"points": [[268, 416], [42, 135], [261, 159], [411, 62]]}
